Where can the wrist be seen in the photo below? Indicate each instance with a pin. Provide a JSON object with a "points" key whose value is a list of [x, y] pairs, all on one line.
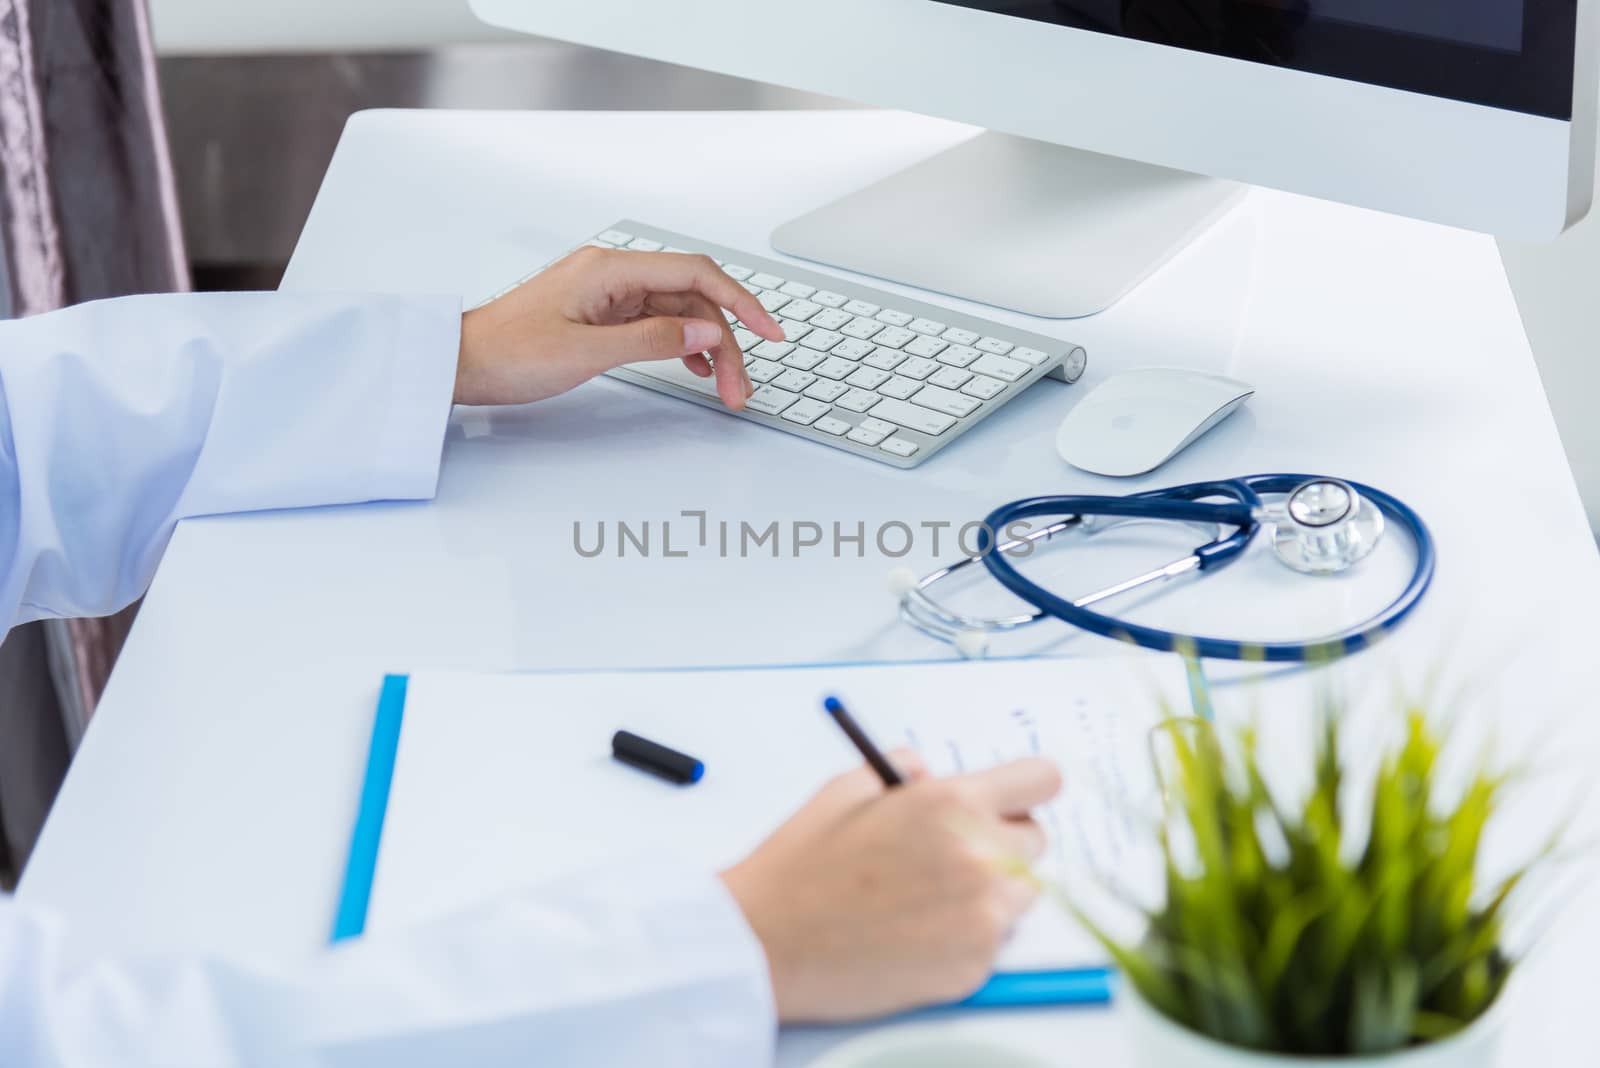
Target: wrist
{"points": [[465, 364], [743, 888]]}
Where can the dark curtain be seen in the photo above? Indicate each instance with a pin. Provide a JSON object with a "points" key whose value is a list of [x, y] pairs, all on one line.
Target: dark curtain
{"points": [[87, 210]]}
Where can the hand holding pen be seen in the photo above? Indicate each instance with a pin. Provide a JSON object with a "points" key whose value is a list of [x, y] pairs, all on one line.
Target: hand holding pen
{"points": [[928, 905]]}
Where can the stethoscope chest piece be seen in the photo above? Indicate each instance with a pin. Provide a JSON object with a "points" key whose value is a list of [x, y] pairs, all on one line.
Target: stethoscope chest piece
{"points": [[1324, 526]]}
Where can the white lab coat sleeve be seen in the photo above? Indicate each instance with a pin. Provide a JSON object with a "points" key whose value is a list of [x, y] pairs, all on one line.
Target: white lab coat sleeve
{"points": [[119, 418], [635, 965]]}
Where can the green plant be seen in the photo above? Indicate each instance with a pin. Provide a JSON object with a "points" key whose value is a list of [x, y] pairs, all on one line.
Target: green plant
{"points": [[1281, 930]]}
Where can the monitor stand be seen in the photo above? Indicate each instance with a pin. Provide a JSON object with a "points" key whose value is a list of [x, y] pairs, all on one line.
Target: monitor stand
{"points": [[1015, 223]]}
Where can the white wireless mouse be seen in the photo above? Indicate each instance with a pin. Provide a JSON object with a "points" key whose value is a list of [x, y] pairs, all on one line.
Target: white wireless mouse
{"points": [[1138, 420]]}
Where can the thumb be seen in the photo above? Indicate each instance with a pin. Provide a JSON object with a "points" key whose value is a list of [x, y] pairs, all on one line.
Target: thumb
{"points": [[658, 338]]}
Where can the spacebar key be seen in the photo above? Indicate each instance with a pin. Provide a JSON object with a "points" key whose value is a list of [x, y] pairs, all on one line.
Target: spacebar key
{"points": [[912, 417]]}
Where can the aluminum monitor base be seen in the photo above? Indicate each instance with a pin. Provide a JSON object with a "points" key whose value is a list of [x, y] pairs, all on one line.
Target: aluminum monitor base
{"points": [[1015, 223]]}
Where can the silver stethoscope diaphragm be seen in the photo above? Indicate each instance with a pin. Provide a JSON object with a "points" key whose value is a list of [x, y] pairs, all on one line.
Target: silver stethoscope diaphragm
{"points": [[1325, 527]]}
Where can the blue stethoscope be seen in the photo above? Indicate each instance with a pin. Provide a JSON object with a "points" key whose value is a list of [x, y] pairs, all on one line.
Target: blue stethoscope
{"points": [[1320, 526]]}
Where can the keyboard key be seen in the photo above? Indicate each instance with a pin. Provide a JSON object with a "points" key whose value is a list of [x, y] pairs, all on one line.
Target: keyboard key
{"points": [[949, 378], [746, 339], [805, 411], [927, 346], [893, 337], [793, 330], [821, 340], [829, 425], [773, 350], [957, 336], [861, 328], [772, 301], [802, 359], [794, 381], [616, 237], [752, 288], [1000, 367], [868, 378], [830, 318], [824, 390], [762, 370], [736, 272], [901, 447], [944, 400], [766, 281], [893, 318], [799, 309], [885, 359], [1033, 356], [928, 326], [917, 368], [798, 289], [858, 400], [994, 345], [674, 248], [835, 368], [861, 307], [829, 299], [912, 416], [769, 400], [852, 348], [959, 355], [899, 388], [983, 387], [871, 431], [644, 244]]}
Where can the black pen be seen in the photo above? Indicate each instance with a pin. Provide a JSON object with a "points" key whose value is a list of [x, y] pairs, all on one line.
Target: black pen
{"points": [[859, 739]]}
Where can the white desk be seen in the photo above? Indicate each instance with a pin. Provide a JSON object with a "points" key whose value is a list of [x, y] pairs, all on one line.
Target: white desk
{"points": [[211, 803]]}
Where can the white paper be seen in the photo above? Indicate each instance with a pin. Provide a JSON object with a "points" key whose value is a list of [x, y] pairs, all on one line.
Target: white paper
{"points": [[502, 781]]}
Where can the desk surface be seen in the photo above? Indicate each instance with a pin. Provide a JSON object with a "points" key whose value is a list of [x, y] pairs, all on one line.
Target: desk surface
{"points": [[211, 802]]}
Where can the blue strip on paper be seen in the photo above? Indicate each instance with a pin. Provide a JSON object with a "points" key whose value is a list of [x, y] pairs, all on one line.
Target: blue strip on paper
{"points": [[351, 919]]}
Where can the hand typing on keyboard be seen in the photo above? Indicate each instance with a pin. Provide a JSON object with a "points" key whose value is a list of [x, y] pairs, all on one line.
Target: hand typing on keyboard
{"points": [[598, 309]]}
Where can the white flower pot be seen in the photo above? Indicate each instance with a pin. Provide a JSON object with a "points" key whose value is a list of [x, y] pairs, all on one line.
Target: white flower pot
{"points": [[1157, 1042]]}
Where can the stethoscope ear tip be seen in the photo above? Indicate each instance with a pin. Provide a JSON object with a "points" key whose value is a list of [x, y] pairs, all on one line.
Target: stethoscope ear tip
{"points": [[902, 580], [971, 644]]}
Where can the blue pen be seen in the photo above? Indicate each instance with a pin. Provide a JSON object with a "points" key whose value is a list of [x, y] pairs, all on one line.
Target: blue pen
{"points": [[859, 739]]}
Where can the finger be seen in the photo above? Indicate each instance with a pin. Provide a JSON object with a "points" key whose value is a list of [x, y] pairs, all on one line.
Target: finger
{"points": [[733, 383], [1014, 789], [1016, 897], [659, 337], [672, 272], [1019, 838], [908, 763], [697, 364]]}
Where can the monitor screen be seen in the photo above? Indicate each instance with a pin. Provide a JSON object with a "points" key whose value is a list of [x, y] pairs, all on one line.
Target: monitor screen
{"points": [[1513, 54]]}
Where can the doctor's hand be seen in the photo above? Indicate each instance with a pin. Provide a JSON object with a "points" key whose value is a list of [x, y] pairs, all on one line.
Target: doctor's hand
{"points": [[598, 309], [870, 901]]}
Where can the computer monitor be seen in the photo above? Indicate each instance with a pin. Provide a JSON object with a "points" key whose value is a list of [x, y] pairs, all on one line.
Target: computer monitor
{"points": [[1118, 128]]}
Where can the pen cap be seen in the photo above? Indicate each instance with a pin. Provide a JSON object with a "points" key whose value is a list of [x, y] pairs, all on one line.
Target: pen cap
{"points": [[656, 758]]}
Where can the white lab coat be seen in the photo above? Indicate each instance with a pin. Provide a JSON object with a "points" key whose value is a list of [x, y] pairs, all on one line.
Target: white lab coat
{"points": [[118, 419]]}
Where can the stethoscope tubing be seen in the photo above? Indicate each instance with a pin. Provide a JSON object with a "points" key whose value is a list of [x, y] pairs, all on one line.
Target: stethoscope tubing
{"points": [[1243, 512]]}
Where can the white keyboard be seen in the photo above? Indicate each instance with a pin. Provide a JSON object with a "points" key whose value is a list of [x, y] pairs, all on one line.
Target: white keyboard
{"points": [[870, 372]]}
